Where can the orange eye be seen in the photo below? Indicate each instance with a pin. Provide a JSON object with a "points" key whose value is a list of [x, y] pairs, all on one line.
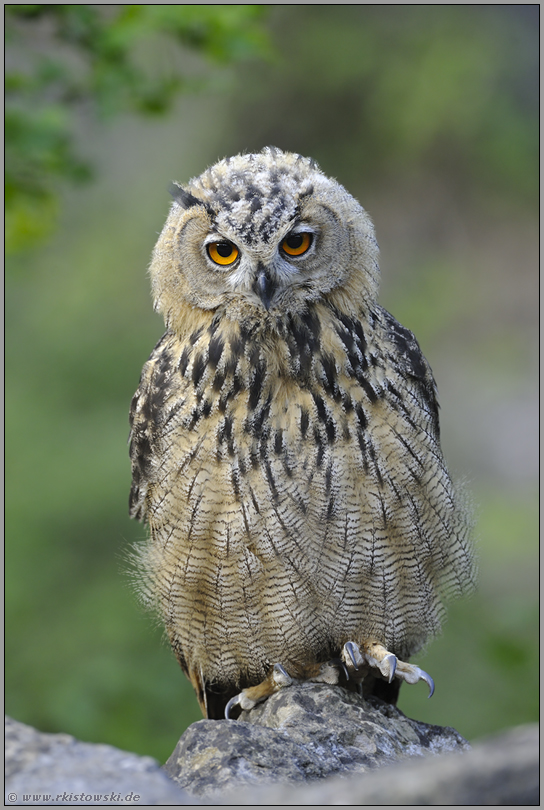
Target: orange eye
{"points": [[297, 243], [223, 253]]}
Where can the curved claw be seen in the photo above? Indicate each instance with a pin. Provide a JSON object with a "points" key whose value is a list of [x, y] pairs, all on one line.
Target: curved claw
{"points": [[353, 651], [392, 661], [338, 665], [424, 676], [280, 677], [234, 701]]}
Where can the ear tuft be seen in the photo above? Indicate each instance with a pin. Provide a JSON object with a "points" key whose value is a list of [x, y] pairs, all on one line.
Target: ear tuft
{"points": [[183, 197]]}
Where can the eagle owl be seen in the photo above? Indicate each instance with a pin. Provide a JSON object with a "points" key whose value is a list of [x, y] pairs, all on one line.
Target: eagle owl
{"points": [[285, 445]]}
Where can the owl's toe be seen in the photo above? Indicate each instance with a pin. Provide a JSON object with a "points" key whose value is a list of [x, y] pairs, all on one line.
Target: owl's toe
{"points": [[388, 667], [277, 679], [373, 656], [412, 674]]}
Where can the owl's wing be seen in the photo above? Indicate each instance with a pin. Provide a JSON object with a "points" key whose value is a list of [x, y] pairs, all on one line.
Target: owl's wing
{"points": [[147, 411], [408, 360]]}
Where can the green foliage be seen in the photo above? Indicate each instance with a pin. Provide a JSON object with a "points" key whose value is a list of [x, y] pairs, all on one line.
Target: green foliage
{"points": [[65, 61]]}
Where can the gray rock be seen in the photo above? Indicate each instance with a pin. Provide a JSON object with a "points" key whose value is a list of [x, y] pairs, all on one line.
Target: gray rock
{"points": [[371, 753], [500, 771], [58, 769], [301, 734]]}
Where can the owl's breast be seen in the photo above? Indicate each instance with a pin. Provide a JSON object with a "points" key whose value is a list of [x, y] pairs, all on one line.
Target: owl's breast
{"points": [[295, 491]]}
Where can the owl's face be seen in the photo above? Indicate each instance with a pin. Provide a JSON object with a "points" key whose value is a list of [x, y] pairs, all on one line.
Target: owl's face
{"points": [[267, 233]]}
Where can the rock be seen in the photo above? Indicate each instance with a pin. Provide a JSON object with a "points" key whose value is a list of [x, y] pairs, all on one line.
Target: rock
{"points": [[58, 769], [500, 771], [302, 734], [281, 753]]}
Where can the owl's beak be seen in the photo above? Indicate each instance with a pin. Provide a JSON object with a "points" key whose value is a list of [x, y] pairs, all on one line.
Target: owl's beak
{"points": [[264, 285]]}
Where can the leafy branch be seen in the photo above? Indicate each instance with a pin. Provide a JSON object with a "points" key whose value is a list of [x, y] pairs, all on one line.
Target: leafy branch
{"points": [[101, 60]]}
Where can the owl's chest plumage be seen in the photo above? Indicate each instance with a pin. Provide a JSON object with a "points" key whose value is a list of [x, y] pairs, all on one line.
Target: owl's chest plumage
{"points": [[283, 476]]}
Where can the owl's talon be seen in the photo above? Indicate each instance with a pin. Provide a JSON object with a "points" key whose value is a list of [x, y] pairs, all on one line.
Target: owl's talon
{"points": [[423, 676], [429, 681], [374, 656], [354, 654], [277, 679], [345, 669], [234, 701], [329, 672], [412, 674], [389, 663], [280, 677]]}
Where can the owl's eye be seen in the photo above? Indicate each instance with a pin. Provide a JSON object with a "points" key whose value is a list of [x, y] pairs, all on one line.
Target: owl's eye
{"points": [[297, 243], [223, 252]]}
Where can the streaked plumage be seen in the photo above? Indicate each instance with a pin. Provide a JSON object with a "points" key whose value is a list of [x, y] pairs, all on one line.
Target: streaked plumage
{"points": [[284, 438]]}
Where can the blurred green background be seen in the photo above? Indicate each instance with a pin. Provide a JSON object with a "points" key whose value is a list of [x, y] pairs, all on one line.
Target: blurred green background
{"points": [[429, 116]]}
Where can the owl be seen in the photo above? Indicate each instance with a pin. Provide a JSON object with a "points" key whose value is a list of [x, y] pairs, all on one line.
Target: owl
{"points": [[285, 446]]}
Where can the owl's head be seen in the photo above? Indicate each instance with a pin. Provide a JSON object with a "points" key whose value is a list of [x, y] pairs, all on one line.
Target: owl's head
{"points": [[267, 233]]}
